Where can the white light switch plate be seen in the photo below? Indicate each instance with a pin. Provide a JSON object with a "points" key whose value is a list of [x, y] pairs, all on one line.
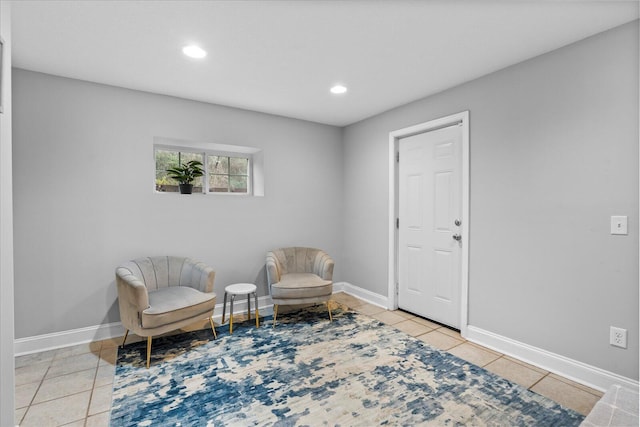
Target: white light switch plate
{"points": [[619, 225]]}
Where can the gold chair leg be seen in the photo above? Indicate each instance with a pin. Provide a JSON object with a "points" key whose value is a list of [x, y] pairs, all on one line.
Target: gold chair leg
{"points": [[329, 308], [148, 351], [213, 328], [275, 314], [125, 338]]}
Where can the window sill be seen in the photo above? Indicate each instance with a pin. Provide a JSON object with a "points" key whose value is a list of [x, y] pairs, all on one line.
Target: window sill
{"points": [[207, 194]]}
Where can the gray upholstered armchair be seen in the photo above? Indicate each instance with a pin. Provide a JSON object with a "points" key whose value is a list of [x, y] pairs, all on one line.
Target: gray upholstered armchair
{"points": [[299, 276], [161, 294]]}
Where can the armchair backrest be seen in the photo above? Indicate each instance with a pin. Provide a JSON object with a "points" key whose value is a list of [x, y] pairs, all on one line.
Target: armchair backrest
{"points": [[164, 271], [298, 260]]}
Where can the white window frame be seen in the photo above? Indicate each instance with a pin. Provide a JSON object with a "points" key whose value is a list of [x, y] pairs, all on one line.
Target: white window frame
{"points": [[255, 182], [228, 154]]}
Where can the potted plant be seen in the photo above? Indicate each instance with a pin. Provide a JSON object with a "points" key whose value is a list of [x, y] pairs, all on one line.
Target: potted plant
{"points": [[185, 174]]}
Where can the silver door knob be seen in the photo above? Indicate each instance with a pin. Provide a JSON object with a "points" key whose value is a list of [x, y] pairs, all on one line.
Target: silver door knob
{"points": [[457, 237]]}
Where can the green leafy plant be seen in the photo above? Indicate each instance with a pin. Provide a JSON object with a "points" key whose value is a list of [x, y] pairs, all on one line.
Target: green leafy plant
{"points": [[186, 173]]}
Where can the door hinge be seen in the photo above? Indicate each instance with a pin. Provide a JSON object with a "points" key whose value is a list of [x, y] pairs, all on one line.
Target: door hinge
{"points": [[397, 222], [398, 156]]}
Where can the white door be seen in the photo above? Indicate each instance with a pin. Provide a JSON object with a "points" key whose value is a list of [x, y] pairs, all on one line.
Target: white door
{"points": [[429, 240]]}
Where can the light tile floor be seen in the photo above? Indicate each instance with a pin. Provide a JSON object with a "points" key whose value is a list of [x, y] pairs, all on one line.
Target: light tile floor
{"points": [[72, 386]]}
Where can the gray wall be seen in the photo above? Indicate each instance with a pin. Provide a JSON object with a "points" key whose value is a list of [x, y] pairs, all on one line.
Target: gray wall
{"points": [[554, 153], [7, 373], [84, 200]]}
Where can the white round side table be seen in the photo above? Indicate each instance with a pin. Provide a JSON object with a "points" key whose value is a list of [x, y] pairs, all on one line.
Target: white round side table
{"points": [[247, 289]]}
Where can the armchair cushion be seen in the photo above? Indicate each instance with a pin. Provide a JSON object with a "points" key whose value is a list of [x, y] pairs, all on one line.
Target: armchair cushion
{"points": [[176, 303], [301, 285]]}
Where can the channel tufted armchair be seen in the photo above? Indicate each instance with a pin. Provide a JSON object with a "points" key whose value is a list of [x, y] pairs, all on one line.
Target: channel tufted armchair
{"points": [[161, 294], [299, 276]]}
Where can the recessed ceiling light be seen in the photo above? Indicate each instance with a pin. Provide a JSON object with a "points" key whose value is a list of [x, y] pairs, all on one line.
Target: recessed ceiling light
{"points": [[338, 89], [194, 51]]}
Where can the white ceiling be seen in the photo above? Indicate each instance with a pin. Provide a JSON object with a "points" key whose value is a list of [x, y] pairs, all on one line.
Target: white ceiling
{"points": [[281, 57]]}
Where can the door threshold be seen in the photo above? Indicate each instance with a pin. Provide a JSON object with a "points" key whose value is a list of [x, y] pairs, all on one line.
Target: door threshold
{"points": [[430, 320]]}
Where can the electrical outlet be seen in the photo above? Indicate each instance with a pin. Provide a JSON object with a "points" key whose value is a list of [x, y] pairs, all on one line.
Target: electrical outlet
{"points": [[618, 337]]}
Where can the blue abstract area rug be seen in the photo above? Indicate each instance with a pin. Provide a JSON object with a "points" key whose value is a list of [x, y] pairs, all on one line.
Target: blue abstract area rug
{"points": [[354, 371]]}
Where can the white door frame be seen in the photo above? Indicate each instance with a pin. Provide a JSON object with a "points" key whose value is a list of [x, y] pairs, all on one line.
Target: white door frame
{"points": [[394, 138]]}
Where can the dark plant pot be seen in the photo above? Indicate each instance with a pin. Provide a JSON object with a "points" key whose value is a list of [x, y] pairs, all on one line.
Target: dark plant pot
{"points": [[186, 188]]}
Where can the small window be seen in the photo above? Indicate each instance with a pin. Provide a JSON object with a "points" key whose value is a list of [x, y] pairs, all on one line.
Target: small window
{"points": [[166, 159], [223, 173], [228, 174]]}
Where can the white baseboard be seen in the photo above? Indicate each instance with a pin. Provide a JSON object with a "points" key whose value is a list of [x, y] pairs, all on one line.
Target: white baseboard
{"points": [[71, 337], [574, 370], [582, 373], [38, 343], [55, 340], [363, 294]]}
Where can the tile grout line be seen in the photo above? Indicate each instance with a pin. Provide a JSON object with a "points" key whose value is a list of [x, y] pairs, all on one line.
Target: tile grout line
{"points": [[526, 365], [44, 376], [495, 360], [55, 359], [457, 345], [537, 382], [95, 375], [572, 384], [36, 393]]}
